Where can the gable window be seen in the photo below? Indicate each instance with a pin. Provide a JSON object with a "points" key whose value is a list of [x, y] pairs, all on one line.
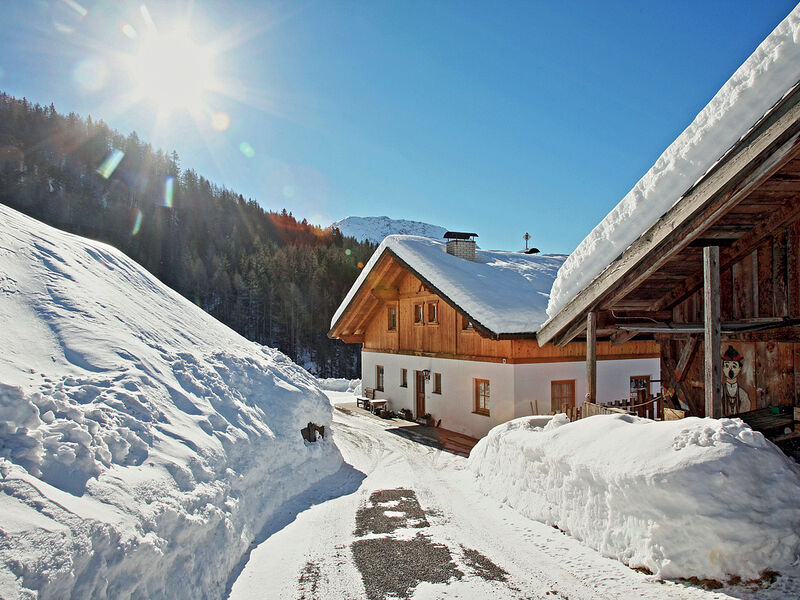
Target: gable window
{"points": [[403, 377], [379, 378], [562, 395], [466, 324], [433, 312], [391, 318], [437, 383], [482, 396], [418, 312]]}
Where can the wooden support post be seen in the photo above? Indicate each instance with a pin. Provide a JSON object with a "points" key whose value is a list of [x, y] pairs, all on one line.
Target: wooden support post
{"points": [[713, 332], [686, 358], [591, 357]]}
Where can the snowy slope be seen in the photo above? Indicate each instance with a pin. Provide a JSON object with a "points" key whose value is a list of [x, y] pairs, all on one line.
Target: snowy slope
{"points": [[506, 292], [706, 498], [374, 229], [142, 443], [754, 88]]}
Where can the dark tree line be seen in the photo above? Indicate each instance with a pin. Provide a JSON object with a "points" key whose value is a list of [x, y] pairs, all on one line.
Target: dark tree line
{"points": [[272, 278]]}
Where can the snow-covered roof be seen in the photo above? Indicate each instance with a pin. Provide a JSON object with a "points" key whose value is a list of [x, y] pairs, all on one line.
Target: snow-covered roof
{"points": [[505, 292], [763, 80]]}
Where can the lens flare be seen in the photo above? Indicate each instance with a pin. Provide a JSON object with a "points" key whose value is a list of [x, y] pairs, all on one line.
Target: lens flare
{"points": [[76, 7], [91, 74], [360, 265], [220, 121], [147, 16], [111, 163], [129, 30], [348, 252], [137, 225], [247, 150], [169, 191], [288, 191]]}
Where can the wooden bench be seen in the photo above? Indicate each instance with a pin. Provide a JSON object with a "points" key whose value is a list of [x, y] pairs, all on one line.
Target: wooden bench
{"points": [[377, 405], [364, 401]]}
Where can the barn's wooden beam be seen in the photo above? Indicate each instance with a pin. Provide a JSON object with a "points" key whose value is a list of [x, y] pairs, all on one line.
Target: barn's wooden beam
{"points": [[570, 334], [591, 357], [686, 358], [620, 316], [620, 336], [352, 339], [733, 254], [686, 399], [729, 328], [769, 146], [385, 294], [713, 333]]}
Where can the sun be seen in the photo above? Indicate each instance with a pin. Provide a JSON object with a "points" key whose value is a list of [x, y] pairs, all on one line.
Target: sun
{"points": [[173, 71]]}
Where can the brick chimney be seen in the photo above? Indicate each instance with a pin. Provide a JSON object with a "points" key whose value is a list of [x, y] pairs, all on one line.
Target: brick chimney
{"points": [[461, 244]]}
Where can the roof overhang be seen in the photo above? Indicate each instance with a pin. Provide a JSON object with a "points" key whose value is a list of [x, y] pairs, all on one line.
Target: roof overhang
{"points": [[664, 256]]}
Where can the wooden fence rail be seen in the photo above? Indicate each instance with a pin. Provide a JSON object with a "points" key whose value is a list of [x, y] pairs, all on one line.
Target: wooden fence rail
{"points": [[649, 408]]}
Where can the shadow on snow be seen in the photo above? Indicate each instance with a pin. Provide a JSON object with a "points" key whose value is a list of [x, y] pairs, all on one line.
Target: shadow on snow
{"points": [[345, 481]]}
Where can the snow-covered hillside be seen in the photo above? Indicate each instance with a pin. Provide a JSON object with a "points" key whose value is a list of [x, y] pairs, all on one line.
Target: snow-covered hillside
{"points": [[143, 444], [374, 229], [706, 498]]}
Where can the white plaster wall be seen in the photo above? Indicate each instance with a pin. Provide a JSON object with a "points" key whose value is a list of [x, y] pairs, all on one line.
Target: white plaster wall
{"points": [[513, 387], [532, 381], [455, 405]]}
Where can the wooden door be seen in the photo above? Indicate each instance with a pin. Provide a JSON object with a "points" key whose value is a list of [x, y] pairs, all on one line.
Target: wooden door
{"points": [[420, 393], [562, 395]]}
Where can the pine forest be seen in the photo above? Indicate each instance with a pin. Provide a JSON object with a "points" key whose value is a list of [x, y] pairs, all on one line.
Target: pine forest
{"points": [[273, 278]]}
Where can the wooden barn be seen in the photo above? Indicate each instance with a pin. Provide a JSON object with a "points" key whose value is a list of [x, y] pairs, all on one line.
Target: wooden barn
{"points": [[449, 330], [716, 282]]}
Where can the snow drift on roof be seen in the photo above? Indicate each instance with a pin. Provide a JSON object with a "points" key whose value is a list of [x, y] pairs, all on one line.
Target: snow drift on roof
{"points": [[506, 292], [754, 88]]}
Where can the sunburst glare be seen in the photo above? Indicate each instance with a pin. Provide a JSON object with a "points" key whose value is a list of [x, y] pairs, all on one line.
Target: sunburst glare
{"points": [[173, 71]]}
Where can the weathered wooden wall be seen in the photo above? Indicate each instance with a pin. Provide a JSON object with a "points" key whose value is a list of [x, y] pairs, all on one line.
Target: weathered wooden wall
{"points": [[769, 376], [766, 283]]}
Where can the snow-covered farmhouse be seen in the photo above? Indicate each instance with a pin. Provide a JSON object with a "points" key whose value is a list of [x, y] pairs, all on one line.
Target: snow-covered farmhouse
{"points": [[449, 330], [704, 253]]}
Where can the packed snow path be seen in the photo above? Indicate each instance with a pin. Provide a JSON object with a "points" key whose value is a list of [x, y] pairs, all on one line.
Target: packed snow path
{"points": [[404, 520]]}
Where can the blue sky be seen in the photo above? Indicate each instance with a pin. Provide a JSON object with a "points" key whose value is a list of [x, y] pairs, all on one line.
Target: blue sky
{"points": [[499, 118]]}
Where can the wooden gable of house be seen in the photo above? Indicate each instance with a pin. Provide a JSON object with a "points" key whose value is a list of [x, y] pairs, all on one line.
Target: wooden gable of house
{"points": [[394, 284]]}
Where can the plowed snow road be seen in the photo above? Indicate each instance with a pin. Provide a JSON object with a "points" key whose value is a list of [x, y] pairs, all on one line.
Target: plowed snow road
{"points": [[403, 520]]}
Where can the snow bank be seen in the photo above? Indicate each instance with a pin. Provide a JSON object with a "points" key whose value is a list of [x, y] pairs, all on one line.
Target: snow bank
{"points": [[754, 88], [143, 444], [336, 384], [506, 292], [697, 497]]}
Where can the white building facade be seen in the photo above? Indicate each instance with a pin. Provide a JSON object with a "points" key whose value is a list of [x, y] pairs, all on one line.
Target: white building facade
{"points": [[515, 390], [452, 335]]}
